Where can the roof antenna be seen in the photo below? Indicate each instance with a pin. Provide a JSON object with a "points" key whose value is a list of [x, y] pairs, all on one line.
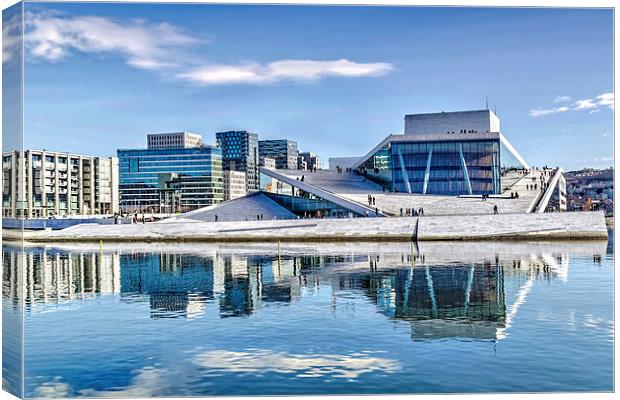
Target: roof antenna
{"points": [[486, 99]]}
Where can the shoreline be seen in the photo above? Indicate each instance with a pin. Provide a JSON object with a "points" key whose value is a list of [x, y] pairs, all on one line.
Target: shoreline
{"points": [[501, 227]]}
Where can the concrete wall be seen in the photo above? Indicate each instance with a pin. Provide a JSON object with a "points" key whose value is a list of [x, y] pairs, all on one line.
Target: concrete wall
{"points": [[343, 162]]}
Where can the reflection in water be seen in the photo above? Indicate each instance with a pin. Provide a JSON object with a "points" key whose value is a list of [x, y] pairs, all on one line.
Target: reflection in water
{"points": [[440, 299], [347, 366], [436, 292]]}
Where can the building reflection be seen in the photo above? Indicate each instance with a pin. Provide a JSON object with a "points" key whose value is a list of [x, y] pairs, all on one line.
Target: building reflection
{"points": [[438, 299], [53, 276]]}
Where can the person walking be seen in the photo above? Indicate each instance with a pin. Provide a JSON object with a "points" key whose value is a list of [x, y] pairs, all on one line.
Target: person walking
{"points": [[495, 209]]}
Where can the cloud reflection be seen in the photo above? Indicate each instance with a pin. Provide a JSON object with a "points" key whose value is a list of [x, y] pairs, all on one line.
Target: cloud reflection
{"points": [[348, 366]]}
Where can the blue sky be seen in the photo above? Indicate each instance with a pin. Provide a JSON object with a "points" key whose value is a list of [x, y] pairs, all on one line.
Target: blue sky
{"points": [[336, 79]]}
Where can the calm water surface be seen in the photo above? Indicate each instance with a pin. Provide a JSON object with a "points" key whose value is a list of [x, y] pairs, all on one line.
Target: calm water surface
{"points": [[161, 320]]}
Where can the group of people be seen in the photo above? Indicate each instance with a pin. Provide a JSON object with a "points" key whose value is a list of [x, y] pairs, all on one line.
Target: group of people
{"points": [[410, 212], [371, 200], [514, 195], [259, 217]]}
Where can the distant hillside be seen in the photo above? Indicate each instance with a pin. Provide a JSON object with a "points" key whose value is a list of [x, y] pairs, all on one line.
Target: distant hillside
{"points": [[590, 174]]}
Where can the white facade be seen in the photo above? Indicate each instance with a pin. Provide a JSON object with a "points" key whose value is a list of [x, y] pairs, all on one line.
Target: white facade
{"points": [[481, 121], [267, 162], [174, 140], [40, 184], [234, 184], [308, 160]]}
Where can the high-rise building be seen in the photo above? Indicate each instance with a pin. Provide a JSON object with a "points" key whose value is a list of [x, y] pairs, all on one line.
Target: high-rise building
{"points": [[308, 160], [240, 153], [234, 184], [174, 140], [41, 183], [195, 175], [284, 151]]}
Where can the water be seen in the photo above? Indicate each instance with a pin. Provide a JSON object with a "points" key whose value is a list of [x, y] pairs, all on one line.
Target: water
{"points": [[141, 320]]}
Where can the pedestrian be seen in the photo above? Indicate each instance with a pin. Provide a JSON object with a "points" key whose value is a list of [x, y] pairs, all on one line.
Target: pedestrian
{"points": [[215, 217], [366, 213], [373, 200], [516, 195], [376, 211], [495, 209]]}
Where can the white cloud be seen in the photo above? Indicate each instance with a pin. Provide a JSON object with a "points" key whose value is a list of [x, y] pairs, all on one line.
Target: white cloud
{"points": [[11, 32], [298, 70], [593, 106], [606, 100], [540, 113], [143, 45], [584, 104], [161, 46]]}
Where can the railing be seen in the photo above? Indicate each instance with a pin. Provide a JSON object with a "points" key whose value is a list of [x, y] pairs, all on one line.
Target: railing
{"points": [[542, 205]]}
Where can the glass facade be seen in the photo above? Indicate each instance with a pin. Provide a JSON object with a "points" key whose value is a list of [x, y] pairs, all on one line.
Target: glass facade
{"points": [[240, 153], [443, 167], [199, 173], [302, 203], [283, 151]]}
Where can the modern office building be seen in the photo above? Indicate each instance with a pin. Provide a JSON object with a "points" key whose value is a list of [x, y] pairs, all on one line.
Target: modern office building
{"points": [[284, 151], [196, 175], [174, 140], [234, 184], [444, 153], [41, 183], [308, 160], [239, 151]]}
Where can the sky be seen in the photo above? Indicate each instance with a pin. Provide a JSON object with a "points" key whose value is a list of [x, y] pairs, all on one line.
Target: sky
{"points": [[337, 79]]}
